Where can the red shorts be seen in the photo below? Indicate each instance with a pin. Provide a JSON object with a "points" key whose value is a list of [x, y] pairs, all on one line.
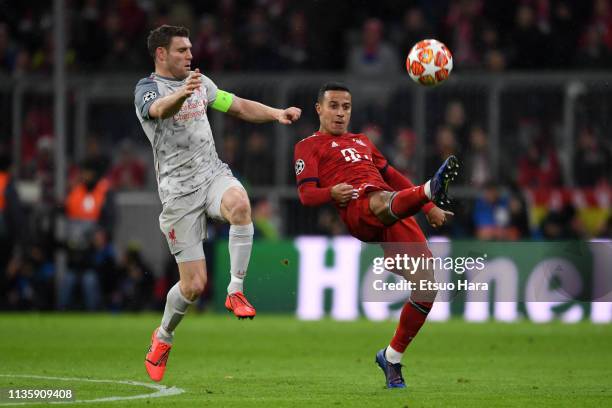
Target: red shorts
{"points": [[365, 226]]}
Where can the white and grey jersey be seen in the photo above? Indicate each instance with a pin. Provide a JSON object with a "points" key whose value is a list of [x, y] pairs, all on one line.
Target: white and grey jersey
{"points": [[183, 147]]}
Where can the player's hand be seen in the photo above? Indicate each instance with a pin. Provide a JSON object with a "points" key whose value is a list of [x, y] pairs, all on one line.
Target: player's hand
{"points": [[193, 82], [342, 193], [437, 217], [289, 115]]}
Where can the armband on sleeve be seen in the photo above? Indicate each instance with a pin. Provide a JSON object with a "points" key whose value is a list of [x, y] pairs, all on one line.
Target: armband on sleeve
{"points": [[223, 101]]}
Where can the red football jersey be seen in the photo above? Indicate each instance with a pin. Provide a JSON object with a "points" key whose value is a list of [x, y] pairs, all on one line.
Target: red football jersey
{"points": [[349, 158]]}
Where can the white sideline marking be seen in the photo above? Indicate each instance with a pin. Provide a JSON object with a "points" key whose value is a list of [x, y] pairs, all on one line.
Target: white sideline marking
{"points": [[161, 390]]}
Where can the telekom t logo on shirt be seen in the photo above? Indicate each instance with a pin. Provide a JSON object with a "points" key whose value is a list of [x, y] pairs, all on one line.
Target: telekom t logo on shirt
{"points": [[350, 155]]}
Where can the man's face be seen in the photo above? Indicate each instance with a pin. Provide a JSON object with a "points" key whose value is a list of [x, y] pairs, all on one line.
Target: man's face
{"points": [[177, 58], [335, 112]]}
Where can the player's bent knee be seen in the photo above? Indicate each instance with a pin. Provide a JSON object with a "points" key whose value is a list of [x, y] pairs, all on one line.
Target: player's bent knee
{"points": [[236, 206], [380, 207]]}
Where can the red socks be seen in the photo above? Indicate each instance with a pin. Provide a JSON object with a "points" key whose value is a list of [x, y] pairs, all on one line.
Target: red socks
{"points": [[408, 202], [412, 318]]}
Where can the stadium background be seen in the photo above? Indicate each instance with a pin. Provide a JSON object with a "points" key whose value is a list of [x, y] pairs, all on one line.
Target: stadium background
{"points": [[527, 110]]}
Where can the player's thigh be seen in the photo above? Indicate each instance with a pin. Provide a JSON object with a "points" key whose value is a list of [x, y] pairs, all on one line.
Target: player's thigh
{"points": [[223, 195], [183, 223], [405, 230]]}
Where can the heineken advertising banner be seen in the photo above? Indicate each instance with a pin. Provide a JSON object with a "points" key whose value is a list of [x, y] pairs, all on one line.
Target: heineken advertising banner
{"points": [[343, 278]]}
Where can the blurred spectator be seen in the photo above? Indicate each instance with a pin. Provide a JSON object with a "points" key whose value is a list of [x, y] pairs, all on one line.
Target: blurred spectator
{"points": [[539, 167], [105, 267], [296, 48], [528, 41], [373, 56], [592, 160], [592, 52], [478, 169], [8, 52], [601, 21], [231, 153], [403, 154], [207, 45], [564, 35], [261, 52], [470, 27], [455, 119], [258, 160], [563, 224], [519, 215], [129, 172], [136, 282], [12, 228], [463, 23], [90, 29], [493, 57], [90, 210], [37, 124], [414, 28], [375, 134], [446, 145], [266, 220], [493, 216]]}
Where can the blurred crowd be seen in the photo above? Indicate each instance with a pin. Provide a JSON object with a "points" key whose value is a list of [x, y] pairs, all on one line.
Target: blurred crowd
{"points": [[529, 186], [270, 35]]}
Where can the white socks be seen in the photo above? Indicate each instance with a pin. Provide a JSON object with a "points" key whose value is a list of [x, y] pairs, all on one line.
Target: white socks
{"points": [[393, 356], [240, 244], [427, 189], [176, 306]]}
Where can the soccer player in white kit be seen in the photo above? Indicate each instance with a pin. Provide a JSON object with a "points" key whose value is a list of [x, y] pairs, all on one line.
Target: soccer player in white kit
{"points": [[193, 182]]}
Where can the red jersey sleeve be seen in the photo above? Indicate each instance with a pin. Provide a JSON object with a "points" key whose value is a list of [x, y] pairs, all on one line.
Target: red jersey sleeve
{"points": [[306, 161], [391, 176]]}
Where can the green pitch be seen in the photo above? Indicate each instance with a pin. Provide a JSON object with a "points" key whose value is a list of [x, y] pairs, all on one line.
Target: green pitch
{"points": [[280, 362]]}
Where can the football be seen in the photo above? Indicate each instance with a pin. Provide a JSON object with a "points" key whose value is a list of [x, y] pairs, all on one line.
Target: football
{"points": [[429, 62]]}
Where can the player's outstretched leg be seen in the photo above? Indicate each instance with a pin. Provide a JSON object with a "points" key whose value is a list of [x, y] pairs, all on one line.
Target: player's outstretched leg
{"points": [[438, 185], [393, 372]]}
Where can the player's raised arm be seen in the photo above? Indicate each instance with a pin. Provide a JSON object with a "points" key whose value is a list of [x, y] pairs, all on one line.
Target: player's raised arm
{"points": [[255, 112], [170, 105]]}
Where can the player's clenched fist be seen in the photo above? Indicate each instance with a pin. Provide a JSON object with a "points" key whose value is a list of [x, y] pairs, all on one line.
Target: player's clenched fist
{"points": [[289, 115], [192, 83], [342, 193]]}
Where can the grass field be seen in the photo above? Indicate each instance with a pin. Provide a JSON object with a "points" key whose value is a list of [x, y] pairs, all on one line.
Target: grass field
{"points": [[276, 361]]}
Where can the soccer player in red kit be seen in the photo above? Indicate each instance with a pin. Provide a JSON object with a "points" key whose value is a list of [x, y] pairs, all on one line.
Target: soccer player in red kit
{"points": [[375, 202]]}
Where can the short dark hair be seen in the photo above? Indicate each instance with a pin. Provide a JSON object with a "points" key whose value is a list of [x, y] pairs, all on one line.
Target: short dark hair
{"points": [[331, 86], [162, 36]]}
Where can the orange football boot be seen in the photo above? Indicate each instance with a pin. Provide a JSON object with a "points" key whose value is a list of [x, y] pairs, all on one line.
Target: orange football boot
{"points": [[238, 303], [156, 358]]}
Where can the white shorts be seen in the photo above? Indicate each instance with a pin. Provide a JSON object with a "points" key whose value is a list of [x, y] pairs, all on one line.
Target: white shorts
{"points": [[183, 219]]}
